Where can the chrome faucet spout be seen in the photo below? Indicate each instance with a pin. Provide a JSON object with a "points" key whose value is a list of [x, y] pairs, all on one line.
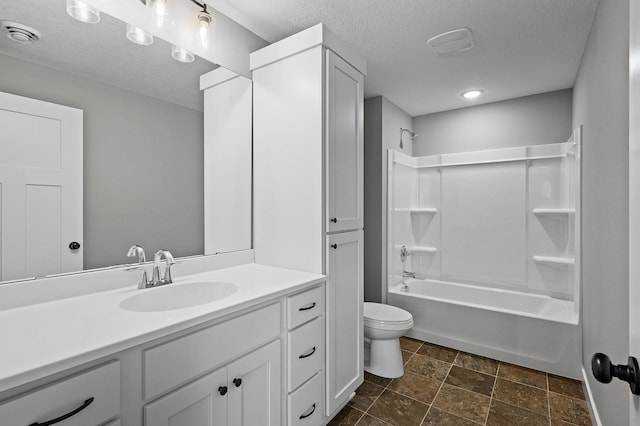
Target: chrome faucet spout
{"points": [[157, 258], [136, 250]]}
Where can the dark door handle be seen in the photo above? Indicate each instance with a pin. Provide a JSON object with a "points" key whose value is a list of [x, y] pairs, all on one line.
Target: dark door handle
{"points": [[604, 371], [74, 245], [334, 220], [307, 355], [334, 246], [304, 416], [237, 382], [65, 416], [222, 390], [306, 308]]}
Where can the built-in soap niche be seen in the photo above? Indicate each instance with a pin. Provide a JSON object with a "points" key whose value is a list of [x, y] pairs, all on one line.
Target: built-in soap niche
{"points": [[503, 218]]}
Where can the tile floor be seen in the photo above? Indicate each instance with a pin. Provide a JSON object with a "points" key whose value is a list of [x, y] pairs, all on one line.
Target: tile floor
{"points": [[442, 386]]}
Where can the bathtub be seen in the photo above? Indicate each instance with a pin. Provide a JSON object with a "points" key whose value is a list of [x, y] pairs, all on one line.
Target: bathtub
{"points": [[535, 331]]}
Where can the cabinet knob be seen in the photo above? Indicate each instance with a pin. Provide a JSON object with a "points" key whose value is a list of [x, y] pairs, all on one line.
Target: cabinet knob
{"points": [[334, 220], [334, 246], [222, 390], [237, 381], [74, 245]]}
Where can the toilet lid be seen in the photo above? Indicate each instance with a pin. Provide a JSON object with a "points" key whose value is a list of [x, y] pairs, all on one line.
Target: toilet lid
{"points": [[385, 313]]}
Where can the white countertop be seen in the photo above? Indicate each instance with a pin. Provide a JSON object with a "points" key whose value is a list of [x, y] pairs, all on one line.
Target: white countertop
{"points": [[46, 338]]}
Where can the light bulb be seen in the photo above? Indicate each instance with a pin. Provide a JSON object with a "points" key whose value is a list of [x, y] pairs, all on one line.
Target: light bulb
{"points": [[205, 19], [472, 94], [160, 11], [83, 12]]}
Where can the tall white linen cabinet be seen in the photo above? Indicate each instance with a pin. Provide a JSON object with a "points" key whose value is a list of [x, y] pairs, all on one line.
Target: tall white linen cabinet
{"points": [[308, 183]]}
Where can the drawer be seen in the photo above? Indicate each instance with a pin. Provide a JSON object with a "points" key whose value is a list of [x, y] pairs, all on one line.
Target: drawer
{"points": [[98, 390], [177, 362], [306, 352], [306, 404], [305, 306]]}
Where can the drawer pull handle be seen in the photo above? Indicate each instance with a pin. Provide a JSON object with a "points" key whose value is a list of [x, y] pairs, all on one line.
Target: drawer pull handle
{"points": [[313, 409], [237, 382], [334, 220], [306, 308], [222, 390], [313, 351], [65, 416]]}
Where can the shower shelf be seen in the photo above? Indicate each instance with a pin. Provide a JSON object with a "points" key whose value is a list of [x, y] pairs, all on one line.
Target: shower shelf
{"points": [[554, 260], [425, 210], [558, 212]]}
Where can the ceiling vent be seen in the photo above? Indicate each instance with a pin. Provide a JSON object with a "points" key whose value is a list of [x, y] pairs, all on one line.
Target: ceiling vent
{"points": [[452, 42], [20, 32]]}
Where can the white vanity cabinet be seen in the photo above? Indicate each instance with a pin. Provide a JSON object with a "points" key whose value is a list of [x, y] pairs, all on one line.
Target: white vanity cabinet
{"points": [[242, 392], [246, 392], [88, 398], [308, 183], [306, 355], [345, 324], [344, 145]]}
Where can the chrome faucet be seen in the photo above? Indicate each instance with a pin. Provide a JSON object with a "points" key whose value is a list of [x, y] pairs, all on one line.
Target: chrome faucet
{"points": [[407, 274], [404, 254], [157, 258], [134, 251]]}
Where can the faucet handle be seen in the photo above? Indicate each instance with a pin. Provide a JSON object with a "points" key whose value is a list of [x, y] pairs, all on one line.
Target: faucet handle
{"points": [[144, 279]]}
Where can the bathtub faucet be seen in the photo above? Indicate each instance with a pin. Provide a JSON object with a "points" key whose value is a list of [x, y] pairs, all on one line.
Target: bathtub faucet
{"points": [[407, 274]]}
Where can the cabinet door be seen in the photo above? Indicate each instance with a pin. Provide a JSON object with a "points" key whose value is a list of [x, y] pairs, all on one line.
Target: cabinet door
{"points": [[345, 329], [254, 388], [200, 403], [345, 109]]}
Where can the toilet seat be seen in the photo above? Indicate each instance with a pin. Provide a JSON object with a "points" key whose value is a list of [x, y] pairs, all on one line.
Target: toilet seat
{"points": [[378, 315]]}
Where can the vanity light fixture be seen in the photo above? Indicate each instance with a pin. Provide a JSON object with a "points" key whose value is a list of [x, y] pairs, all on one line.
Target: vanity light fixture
{"points": [[139, 36], [182, 55], [83, 12], [472, 94]]}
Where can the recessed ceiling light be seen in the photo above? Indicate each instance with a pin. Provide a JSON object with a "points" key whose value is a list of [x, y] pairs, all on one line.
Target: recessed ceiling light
{"points": [[139, 36], [472, 94], [83, 12], [182, 55]]}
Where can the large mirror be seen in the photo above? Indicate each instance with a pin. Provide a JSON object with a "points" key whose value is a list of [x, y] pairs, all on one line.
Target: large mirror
{"points": [[142, 128]]}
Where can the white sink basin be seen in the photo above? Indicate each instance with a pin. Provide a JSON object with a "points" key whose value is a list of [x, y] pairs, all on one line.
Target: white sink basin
{"points": [[177, 296]]}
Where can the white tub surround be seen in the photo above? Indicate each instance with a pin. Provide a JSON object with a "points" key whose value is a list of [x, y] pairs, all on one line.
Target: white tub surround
{"points": [[168, 353], [494, 240]]}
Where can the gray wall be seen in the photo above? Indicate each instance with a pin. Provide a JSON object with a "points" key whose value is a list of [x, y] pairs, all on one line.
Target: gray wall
{"points": [[601, 105], [143, 166], [382, 123], [530, 120]]}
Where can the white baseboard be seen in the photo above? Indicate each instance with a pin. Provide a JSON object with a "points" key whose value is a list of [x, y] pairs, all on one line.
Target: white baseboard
{"points": [[593, 410]]}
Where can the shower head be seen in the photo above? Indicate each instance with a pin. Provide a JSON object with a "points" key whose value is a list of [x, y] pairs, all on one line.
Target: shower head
{"points": [[411, 135]]}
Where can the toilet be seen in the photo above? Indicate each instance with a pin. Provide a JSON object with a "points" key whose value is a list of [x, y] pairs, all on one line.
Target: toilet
{"points": [[383, 326]]}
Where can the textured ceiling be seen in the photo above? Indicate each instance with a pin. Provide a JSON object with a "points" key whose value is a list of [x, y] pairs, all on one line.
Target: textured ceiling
{"points": [[102, 53], [523, 47]]}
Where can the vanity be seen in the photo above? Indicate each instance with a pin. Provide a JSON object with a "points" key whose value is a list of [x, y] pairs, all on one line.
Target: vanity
{"points": [[112, 356]]}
